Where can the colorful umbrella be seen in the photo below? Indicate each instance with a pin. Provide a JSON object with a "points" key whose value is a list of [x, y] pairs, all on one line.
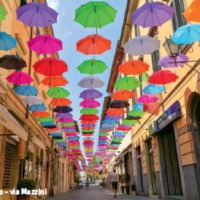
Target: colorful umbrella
{"points": [[152, 108], [89, 103], [12, 62], [152, 14], [45, 119], [32, 100], [142, 45], [37, 107], [19, 78], [64, 115], [2, 13], [65, 120], [93, 44], [67, 124], [133, 67], [147, 98], [89, 111], [173, 61], [26, 90], [54, 81], [162, 77], [50, 67], [92, 67], [45, 44], [127, 83], [89, 117], [60, 102], [187, 34], [136, 113], [57, 92], [115, 111], [37, 14], [153, 89], [122, 95], [109, 122], [90, 94], [91, 82], [49, 124], [95, 14], [62, 109], [119, 104], [113, 117], [7, 42], [41, 114]]}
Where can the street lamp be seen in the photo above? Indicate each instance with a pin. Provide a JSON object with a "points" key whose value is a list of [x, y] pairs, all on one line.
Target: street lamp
{"points": [[171, 48]]}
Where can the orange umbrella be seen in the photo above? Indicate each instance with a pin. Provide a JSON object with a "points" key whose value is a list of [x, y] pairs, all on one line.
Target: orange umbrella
{"points": [[122, 95], [60, 102], [115, 111], [133, 67], [41, 114], [54, 81], [93, 44], [52, 129], [192, 12], [88, 121], [151, 108]]}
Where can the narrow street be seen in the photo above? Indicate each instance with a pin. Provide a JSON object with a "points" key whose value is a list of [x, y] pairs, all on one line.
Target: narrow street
{"points": [[95, 192]]}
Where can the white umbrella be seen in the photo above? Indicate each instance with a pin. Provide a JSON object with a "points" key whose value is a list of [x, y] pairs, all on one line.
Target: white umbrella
{"points": [[32, 100], [142, 45], [91, 82]]}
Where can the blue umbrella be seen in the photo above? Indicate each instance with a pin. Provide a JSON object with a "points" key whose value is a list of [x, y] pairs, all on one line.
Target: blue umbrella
{"points": [[26, 90], [7, 42], [37, 107], [138, 106], [187, 34], [47, 123], [108, 121], [153, 89], [56, 134]]}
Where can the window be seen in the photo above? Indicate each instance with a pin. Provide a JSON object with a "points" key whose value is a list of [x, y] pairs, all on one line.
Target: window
{"points": [[155, 58], [178, 19]]}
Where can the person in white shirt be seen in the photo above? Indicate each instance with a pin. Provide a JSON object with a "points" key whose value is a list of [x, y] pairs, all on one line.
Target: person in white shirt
{"points": [[113, 179]]}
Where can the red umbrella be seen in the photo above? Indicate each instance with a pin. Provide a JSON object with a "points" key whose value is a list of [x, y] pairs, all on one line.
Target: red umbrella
{"points": [[50, 67], [93, 44], [151, 108], [89, 117], [88, 121], [162, 77]]}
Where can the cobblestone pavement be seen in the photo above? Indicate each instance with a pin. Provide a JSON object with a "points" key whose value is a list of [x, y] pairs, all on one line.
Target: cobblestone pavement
{"points": [[95, 192]]}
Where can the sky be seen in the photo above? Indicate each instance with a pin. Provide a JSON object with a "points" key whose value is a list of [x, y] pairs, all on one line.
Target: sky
{"points": [[69, 31]]}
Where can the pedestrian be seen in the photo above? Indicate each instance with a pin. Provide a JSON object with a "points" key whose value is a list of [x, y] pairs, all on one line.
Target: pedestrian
{"points": [[113, 178]]}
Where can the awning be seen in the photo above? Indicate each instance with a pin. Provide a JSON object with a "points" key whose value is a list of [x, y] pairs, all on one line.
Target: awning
{"points": [[7, 120]]}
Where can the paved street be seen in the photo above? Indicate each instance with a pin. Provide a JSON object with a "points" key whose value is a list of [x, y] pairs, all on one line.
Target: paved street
{"points": [[96, 192]]}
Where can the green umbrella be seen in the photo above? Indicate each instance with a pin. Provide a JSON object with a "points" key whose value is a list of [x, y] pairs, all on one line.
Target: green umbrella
{"points": [[74, 147], [88, 111], [67, 124], [59, 140], [127, 83], [145, 77], [103, 134], [92, 67], [44, 119], [88, 131], [2, 13], [57, 92], [129, 122], [116, 140], [95, 14], [136, 113]]}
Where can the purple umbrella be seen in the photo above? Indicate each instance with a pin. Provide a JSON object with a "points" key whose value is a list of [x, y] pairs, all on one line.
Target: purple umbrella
{"points": [[90, 94], [37, 14], [173, 61], [64, 115], [152, 14], [88, 125], [112, 117], [91, 82], [19, 78]]}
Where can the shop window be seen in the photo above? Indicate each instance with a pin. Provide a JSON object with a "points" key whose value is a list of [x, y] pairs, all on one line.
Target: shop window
{"points": [[155, 59]]}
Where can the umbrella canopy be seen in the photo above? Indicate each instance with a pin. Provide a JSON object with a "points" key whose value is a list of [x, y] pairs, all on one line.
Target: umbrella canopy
{"points": [[37, 107], [62, 109], [92, 67], [91, 82], [95, 14], [89, 103], [90, 94], [173, 61], [45, 44], [93, 44], [54, 81], [147, 98], [19, 78], [127, 83], [7, 42], [89, 117], [49, 124], [122, 95], [57, 92], [109, 122], [162, 77], [50, 67], [89, 111], [142, 45], [40, 114], [60, 102], [192, 12], [136, 113], [115, 111], [119, 104], [26, 90], [153, 89], [133, 67], [65, 120], [45, 119], [152, 14], [2, 13], [187, 34], [12, 62], [32, 100], [37, 14], [113, 117], [152, 108], [64, 115]]}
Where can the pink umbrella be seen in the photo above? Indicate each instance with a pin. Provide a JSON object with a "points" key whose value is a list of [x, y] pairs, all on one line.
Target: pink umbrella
{"points": [[147, 98], [65, 120], [90, 103], [19, 78], [45, 44]]}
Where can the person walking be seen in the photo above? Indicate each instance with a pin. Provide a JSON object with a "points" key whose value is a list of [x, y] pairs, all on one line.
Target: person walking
{"points": [[114, 180]]}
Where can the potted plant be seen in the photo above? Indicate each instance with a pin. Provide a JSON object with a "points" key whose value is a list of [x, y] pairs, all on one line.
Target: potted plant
{"points": [[122, 182], [25, 186], [127, 180]]}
